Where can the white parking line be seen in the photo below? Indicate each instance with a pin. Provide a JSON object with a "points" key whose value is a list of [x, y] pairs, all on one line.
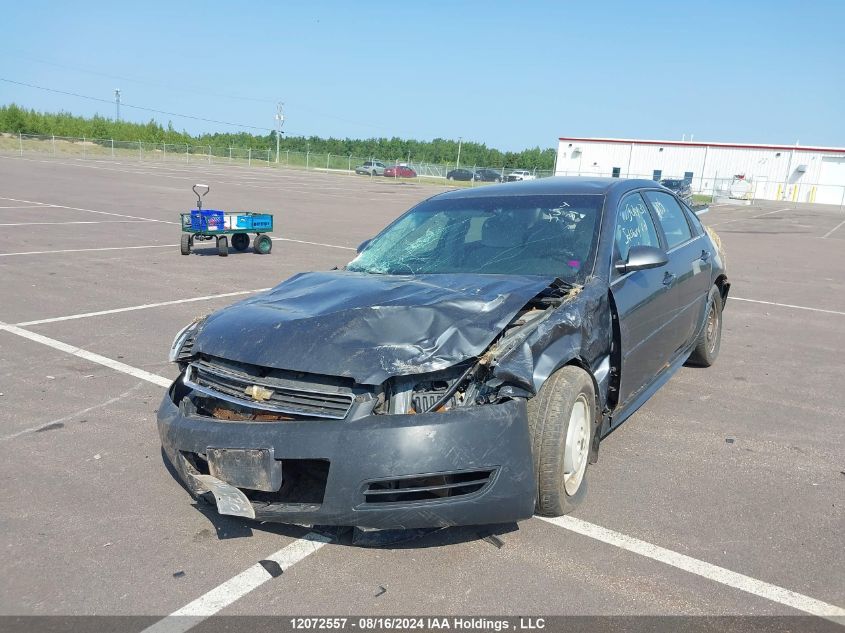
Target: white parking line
{"points": [[161, 381], [287, 239], [235, 588], [700, 568], [144, 306], [76, 414], [61, 206], [751, 217], [830, 232], [787, 305], [120, 248], [87, 250], [76, 222], [27, 206]]}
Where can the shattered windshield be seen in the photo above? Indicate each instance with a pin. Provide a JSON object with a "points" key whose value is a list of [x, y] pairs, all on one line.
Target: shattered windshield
{"points": [[552, 235]]}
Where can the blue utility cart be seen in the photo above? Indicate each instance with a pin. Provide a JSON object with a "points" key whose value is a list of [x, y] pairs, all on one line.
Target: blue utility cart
{"points": [[211, 224]]}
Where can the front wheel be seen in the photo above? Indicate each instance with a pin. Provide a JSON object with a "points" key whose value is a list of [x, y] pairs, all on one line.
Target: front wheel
{"points": [[223, 246], [561, 421], [707, 345], [262, 244], [186, 243]]}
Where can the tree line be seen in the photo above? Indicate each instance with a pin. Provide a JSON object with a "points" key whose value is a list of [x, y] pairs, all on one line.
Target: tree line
{"points": [[16, 119]]}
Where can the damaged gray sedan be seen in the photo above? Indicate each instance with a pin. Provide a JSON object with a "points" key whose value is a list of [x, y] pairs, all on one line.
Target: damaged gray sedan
{"points": [[462, 369]]}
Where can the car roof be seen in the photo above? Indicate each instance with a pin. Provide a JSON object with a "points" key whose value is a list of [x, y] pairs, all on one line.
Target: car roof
{"points": [[555, 185]]}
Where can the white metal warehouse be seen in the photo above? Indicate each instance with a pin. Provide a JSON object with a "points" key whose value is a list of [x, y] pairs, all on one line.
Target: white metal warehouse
{"points": [[771, 172]]}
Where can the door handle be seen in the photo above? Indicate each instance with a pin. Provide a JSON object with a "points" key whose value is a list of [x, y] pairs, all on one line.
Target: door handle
{"points": [[668, 278], [705, 256]]}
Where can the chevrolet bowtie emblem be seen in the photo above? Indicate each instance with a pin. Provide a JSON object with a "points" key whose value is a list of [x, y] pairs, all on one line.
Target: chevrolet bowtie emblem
{"points": [[256, 392]]}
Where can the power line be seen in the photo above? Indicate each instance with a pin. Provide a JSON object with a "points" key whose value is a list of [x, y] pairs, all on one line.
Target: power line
{"points": [[191, 90], [135, 107]]}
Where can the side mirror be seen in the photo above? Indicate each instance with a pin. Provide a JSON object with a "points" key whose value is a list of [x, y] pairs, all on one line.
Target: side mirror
{"points": [[363, 245], [641, 258]]}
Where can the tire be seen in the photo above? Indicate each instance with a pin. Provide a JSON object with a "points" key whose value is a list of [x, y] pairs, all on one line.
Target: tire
{"points": [[223, 246], [561, 423], [186, 243], [262, 244], [706, 349], [240, 241]]}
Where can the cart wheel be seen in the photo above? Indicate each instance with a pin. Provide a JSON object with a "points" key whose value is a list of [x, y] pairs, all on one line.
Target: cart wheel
{"points": [[240, 241], [223, 246], [262, 244], [186, 243]]}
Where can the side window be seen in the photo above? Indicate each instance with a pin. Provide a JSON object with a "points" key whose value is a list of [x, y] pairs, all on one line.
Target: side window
{"points": [[693, 219], [634, 226], [671, 217]]}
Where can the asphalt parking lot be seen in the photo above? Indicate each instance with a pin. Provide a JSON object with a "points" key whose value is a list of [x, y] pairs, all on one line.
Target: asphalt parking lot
{"points": [[723, 495]]}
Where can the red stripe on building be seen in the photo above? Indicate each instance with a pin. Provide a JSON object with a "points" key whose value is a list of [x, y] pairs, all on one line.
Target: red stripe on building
{"points": [[622, 141]]}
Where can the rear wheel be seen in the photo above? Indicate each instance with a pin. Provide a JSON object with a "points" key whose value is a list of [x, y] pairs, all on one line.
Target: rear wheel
{"points": [[223, 246], [262, 244], [240, 241], [561, 419], [186, 243], [707, 346]]}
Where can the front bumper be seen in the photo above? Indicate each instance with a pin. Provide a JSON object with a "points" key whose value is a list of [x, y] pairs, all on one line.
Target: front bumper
{"points": [[366, 452]]}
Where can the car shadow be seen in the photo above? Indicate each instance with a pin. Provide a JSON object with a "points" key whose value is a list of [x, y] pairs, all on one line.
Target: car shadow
{"points": [[227, 527], [206, 251]]}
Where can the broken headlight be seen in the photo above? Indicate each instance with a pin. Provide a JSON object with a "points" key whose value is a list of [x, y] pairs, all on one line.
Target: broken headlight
{"points": [[181, 348]]}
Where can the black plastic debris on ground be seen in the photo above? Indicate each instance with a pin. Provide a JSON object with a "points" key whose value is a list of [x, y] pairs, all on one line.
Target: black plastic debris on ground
{"points": [[273, 568], [491, 538]]}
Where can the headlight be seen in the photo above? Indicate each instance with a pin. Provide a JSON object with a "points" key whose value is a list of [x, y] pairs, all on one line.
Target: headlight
{"points": [[179, 341]]}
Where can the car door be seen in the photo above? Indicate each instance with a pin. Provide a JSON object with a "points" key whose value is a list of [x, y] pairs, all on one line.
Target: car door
{"points": [[689, 267], [641, 300]]}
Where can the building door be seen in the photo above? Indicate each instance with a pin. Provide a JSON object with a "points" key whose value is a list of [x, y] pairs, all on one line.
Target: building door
{"points": [[831, 180]]}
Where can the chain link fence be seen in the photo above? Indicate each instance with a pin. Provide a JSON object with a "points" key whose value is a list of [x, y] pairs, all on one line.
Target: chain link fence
{"points": [[739, 188], [144, 151]]}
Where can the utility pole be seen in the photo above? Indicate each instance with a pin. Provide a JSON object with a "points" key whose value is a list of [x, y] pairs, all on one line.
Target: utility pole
{"points": [[280, 120], [458, 163], [117, 104]]}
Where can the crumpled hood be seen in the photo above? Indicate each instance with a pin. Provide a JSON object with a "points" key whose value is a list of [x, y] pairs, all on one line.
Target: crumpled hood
{"points": [[368, 327]]}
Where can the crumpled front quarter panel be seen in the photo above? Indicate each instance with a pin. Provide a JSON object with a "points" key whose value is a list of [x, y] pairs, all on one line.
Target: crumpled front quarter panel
{"points": [[580, 328]]}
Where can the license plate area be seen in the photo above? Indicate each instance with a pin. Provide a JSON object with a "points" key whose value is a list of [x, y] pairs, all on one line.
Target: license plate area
{"points": [[252, 468]]}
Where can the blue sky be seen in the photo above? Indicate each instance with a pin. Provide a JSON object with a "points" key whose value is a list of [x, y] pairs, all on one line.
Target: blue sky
{"points": [[512, 75]]}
